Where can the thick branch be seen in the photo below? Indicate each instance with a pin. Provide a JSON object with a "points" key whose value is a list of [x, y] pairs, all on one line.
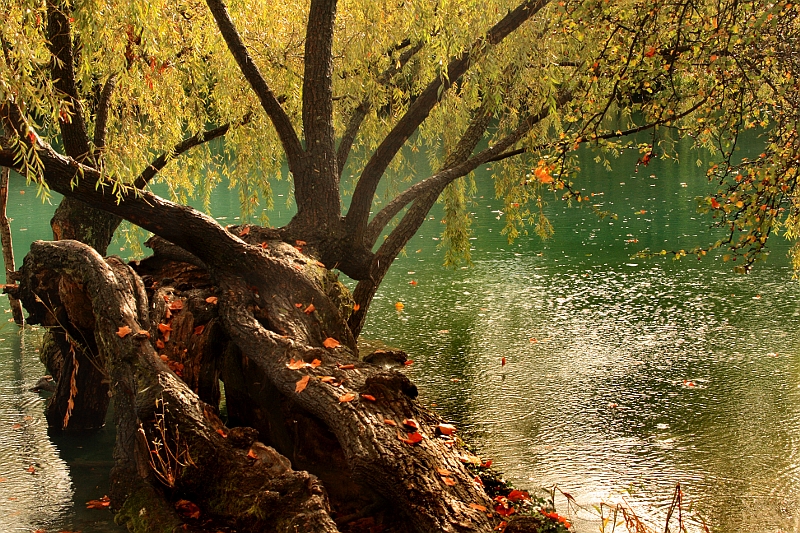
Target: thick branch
{"points": [[73, 126], [364, 193], [283, 125]]}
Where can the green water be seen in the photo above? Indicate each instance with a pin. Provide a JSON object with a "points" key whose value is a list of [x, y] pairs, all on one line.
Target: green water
{"points": [[623, 377]]}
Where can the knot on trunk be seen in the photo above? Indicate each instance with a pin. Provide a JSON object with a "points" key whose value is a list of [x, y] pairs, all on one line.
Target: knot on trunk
{"points": [[388, 384]]}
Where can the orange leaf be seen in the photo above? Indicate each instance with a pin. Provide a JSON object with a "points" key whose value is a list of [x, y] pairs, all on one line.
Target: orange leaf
{"points": [[411, 423], [212, 300], [187, 509], [331, 343], [310, 309], [450, 482], [163, 357], [389, 422], [199, 329], [164, 328], [408, 362], [16, 426], [264, 245], [298, 305], [412, 282], [446, 429], [123, 331], [369, 397], [413, 438], [251, 454], [356, 307], [443, 471], [327, 379], [300, 243], [301, 385], [349, 397], [345, 367], [296, 365], [315, 363], [245, 231], [102, 503], [160, 344], [222, 432], [518, 495], [478, 507], [399, 306], [144, 332], [31, 470], [176, 305], [319, 264]]}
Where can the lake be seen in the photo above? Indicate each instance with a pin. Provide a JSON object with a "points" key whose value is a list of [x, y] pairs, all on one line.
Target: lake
{"points": [[623, 376]]}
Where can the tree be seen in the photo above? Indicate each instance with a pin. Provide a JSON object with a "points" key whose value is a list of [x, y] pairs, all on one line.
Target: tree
{"points": [[340, 93]]}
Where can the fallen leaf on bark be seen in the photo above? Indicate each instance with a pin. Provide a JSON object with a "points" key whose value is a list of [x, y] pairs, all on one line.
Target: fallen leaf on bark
{"points": [[331, 343], [413, 438], [245, 231], [389, 422], [164, 328], [501, 526], [222, 433], [327, 379], [101, 503], [478, 507], [251, 454], [160, 344], [298, 305], [187, 509], [369, 397], [300, 243], [446, 429], [264, 245], [176, 305], [199, 329], [124, 331], [310, 309], [518, 495], [450, 482], [143, 332], [356, 307], [345, 367], [302, 383], [443, 471], [349, 397], [296, 365], [212, 300], [315, 363], [411, 423]]}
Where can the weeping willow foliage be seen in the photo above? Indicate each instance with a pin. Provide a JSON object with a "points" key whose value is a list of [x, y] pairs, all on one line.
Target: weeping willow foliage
{"points": [[593, 71]]}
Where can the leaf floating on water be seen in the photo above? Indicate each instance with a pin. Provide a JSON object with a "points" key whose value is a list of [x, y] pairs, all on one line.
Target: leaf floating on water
{"points": [[331, 343], [408, 362], [412, 282], [301, 385], [399, 306], [124, 331], [349, 397], [102, 503], [212, 300], [31, 470]]}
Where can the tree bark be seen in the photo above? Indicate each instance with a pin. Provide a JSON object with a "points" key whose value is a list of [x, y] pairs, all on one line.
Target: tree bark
{"points": [[8, 248]]}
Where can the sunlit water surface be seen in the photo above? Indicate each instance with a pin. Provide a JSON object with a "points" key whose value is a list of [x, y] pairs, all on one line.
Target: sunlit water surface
{"points": [[624, 376]]}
